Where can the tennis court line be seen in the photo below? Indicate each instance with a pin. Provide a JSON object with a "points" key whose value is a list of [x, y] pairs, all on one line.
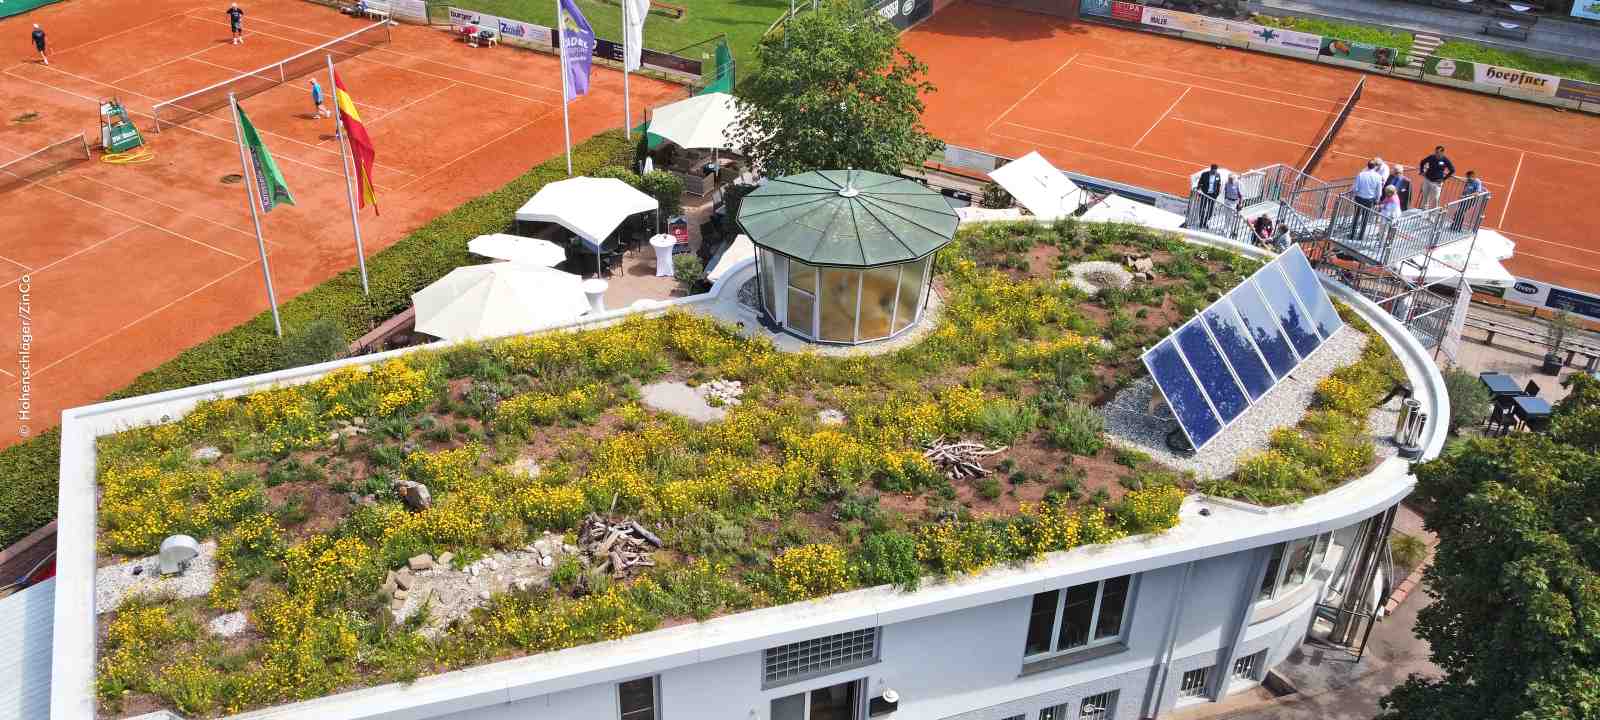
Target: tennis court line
{"points": [[83, 250], [240, 73], [1237, 131], [475, 150], [1030, 92], [1123, 148], [1505, 205], [1508, 233], [389, 47], [1266, 88], [383, 116], [1163, 117], [1307, 108], [142, 221], [210, 45], [123, 31], [1085, 154], [144, 317], [174, 208]]}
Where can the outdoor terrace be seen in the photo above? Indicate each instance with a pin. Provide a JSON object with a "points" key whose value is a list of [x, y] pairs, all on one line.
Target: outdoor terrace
{"points": [[808, 480]]}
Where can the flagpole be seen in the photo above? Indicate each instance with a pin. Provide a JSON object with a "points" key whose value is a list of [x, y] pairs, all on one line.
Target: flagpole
{"points": [[250, 196], [627, 109], [349, 191], [566, 125]]}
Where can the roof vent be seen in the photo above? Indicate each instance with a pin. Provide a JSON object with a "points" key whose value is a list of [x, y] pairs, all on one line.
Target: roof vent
{"points": [[176, 552]]}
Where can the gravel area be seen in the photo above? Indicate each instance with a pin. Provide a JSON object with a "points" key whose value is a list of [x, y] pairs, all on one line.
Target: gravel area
{"points": [[114, 584], [1094, 275], [451, 594], [1128, 424]]}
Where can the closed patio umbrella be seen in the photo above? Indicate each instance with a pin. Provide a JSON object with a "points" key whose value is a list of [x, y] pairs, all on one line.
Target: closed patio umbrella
{"points": [[483, 301], [517, 249]]}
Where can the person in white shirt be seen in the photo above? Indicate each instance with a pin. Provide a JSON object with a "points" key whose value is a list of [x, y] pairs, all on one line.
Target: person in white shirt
{"points": [[1383, 168], [1365, 192]]}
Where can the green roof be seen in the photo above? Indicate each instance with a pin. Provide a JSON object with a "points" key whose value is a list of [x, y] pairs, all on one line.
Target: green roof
{"points": [[847, 217]]}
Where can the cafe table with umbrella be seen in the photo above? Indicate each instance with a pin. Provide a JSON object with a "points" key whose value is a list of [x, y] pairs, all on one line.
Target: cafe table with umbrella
{"points": [[592, 208], [497, 299]]}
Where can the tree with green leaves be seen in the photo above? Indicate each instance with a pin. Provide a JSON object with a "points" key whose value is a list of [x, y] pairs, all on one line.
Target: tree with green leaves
{"points": [[1515, 623], [835, 91]]}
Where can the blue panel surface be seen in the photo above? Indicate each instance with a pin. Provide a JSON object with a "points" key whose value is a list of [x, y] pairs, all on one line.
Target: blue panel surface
{"points": [[1182, 394], [1312, 295], [1302, 331], [1212, 371], [1264, 329], [1234, 340]]}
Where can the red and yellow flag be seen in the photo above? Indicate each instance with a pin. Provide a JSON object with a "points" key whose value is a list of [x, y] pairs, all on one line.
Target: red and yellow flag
{"points": [[360, 142]]}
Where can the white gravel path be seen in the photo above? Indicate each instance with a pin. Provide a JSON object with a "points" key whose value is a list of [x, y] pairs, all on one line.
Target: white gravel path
{"points": [[1283, 405], [114, 584]]}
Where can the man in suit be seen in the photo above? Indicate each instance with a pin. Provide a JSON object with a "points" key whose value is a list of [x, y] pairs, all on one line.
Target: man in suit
{"points": [[1401, 185], [1208, 188]]}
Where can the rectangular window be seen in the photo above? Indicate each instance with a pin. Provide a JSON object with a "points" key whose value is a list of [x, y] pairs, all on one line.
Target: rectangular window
{"points": [[1247, 667], [1099, 707], [636, 699], [1080, 616], [1196, 684], [809, 658], [1269, 581], [1292, 564], [835, 702], [1054, 712]]}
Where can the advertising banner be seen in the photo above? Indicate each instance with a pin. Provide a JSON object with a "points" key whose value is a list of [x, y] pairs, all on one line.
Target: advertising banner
{"points": [[1239, 32], [1586, 9], [1493, 75], [1357, 52], [1555, 297], [516, 32], [1570, 89], [409, 10], [904, 13], [653, 59], [1097, 8], [1290, 40], [1127, 11]]}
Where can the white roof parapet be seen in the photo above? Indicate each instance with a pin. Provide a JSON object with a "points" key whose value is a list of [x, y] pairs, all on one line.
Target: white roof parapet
{"points": [[1227, 527]]}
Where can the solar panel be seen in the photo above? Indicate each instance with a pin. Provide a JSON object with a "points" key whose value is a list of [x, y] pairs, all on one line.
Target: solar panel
{"points": [[1211, 369], [1304, 281]]}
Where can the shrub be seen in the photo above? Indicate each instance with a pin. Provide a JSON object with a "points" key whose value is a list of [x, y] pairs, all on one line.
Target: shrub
{"points": [[666, 188], [1151, 510], [315, 342], [811, 571], [688, 271], [1409, 550], [1077, 429], [995, 196], [1469, 399], [988, 488], [1003, 421], [888, 558]]}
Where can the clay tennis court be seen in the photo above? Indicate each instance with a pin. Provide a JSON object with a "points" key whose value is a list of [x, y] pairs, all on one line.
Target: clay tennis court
{"points": [[1149, 111], [128, 265]]}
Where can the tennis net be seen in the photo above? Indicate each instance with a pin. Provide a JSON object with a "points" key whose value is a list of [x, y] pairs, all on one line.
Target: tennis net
{"points": [[42, 163], [187, 107], [1321, 148]]}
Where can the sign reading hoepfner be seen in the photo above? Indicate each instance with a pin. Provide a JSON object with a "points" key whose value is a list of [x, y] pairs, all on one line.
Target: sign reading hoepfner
{"points": [[1214, 367]]}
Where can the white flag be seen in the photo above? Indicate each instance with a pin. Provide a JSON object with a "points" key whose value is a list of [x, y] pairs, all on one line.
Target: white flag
{"points": [[633, 15]]}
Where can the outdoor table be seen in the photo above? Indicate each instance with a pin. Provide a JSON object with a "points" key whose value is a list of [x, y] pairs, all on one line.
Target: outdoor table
{"points": [[595, 290], [663, 244], [1534, 412], [1500, 384], [1519, 8]]}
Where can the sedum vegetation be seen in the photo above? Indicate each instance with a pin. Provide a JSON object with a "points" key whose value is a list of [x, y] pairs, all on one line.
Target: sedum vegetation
{"points": [[764, 507]]}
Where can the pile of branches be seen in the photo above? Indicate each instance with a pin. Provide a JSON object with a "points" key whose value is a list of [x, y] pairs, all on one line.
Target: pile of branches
{"points": [[617, 546], [960, 460]]}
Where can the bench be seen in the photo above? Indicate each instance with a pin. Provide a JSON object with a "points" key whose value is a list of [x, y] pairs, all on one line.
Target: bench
{"points": [[375, 9], [1506, 29], [1470, 6], [1573, 347]]}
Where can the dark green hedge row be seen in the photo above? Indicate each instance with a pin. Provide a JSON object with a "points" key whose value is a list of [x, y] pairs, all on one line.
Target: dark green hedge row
{"points": [[29, 470]]}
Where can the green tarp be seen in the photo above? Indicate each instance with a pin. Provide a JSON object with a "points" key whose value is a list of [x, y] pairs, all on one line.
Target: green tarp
{"points": [[18, 7]]}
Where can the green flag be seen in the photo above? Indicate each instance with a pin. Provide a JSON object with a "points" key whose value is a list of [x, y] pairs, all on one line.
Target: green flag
{"points": [[270, 187]]}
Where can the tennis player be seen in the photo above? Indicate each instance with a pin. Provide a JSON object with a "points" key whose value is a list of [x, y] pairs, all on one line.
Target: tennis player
{"points": [[38, 43], [236, 22], [316, 99]]}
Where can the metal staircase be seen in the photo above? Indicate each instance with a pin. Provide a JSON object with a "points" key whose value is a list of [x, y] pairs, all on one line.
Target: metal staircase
{"points": [[1389, 261]]}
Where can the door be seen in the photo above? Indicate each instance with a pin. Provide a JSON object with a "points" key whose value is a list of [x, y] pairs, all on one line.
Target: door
{"points": [[834, 702]]}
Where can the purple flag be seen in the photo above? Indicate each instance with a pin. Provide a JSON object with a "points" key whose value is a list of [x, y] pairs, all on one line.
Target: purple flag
{"points": [[577, 44]]}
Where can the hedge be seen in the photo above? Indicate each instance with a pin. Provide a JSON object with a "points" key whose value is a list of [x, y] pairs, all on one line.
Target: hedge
{"points": [[29, 471]]}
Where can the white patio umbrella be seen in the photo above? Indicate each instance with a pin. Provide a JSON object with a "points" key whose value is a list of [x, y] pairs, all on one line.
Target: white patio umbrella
{"points": [[1038, 186], [517, 249], [1115, 208], [702, 121], [591, 208], [481, 301]]}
